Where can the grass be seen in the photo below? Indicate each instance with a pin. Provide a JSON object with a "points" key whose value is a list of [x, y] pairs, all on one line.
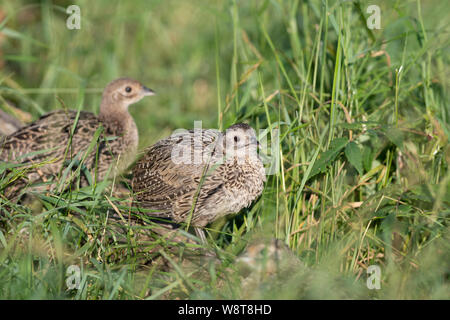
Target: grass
{"points": [[362, 174]]}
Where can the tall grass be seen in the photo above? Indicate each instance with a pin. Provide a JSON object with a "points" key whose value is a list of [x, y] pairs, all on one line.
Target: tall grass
{"points": [[363, 118]]}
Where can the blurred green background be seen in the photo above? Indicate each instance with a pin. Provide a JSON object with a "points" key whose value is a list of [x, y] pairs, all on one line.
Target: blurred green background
{"points": [[310, 68]]}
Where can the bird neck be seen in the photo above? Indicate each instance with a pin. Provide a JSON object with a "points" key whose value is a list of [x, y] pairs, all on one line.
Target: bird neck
{"points": [[117, 120], [114, 115]]}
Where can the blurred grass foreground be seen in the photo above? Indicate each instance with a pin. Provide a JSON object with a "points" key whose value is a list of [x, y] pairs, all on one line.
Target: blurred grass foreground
{"points": [[361, 179]]}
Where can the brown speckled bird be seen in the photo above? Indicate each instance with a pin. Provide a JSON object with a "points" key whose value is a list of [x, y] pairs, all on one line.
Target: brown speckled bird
{"points": [[198, 176], [50, 138]]}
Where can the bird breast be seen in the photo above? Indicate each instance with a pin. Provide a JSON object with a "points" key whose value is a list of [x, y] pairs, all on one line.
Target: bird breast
{"points": [[244, 183]]}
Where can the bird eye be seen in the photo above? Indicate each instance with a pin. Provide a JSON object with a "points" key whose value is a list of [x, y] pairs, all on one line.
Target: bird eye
{"points": [[128, 89], [236, 138]]}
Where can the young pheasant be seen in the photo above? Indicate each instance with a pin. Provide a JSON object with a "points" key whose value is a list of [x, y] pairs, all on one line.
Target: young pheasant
{"points": [[52, 138], [198, 176]]}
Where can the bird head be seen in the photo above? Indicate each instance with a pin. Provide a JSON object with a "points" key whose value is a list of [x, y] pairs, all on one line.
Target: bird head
{"points": [[240, 141], [125, 91]]}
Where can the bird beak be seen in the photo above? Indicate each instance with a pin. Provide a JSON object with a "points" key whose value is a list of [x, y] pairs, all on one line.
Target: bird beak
{"points": [[148, 91]]}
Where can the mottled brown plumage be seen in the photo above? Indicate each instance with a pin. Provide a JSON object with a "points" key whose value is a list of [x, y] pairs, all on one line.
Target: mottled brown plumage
{"points": [[50, 138], [200, 175]]}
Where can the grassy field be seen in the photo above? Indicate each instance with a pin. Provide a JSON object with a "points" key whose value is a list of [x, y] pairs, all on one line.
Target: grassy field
{"points": [[362, 174]]}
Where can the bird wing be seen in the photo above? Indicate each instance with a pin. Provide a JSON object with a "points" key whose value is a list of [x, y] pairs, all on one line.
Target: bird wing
{"points": [[162, 181], [50, 139], [46, 137]]}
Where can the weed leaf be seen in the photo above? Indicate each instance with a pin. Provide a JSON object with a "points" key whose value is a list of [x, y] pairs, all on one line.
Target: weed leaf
{"points": [[354, 156], [328, 156]]}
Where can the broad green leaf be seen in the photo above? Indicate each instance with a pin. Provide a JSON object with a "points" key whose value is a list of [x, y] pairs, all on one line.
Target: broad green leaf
{"points": [[328, 156], [367, 158], [354, 156], [394, 135]]}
